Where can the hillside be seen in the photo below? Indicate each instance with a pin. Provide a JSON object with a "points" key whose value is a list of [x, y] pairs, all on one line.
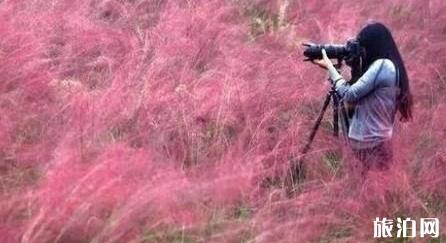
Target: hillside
{"points": [[176, 121]]}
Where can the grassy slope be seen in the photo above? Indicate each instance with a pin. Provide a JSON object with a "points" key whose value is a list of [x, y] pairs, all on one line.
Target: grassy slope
{"points": [[158, 121]]}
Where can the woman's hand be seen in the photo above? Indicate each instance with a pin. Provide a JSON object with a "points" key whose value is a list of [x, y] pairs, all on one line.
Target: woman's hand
{"points": [[325, 62]]}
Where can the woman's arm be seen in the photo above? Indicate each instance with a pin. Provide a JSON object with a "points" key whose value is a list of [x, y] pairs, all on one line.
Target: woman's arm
{"points": [[352, 93], [365, 84]]}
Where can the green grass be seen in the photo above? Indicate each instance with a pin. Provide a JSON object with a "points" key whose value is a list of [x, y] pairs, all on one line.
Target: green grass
{"points": [[436, 203], [242, 212], [333, 161], [336, 233], [440, 239], [168, 236], [263, 22]]}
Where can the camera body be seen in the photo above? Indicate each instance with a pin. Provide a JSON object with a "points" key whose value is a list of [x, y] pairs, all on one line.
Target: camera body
{"points": [[348, 52]]}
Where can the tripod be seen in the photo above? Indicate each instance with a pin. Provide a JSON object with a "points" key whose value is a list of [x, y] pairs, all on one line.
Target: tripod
{"points": [[297, 173]]}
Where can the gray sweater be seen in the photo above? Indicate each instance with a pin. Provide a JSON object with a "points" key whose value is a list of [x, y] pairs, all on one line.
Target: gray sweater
{"points": [[375, 94]]}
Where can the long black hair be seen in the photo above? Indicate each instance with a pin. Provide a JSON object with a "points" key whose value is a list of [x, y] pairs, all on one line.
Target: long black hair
{"points": [[378, 43]]}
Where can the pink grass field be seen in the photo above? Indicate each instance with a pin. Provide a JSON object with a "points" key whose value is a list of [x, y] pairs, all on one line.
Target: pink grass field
{"points": [[160, 120]]}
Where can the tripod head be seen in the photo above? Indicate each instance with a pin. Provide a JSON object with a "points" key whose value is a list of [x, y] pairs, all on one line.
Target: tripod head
{"points": [[338, 64]]}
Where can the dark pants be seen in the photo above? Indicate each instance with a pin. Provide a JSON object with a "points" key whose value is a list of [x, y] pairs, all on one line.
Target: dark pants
{"points": [[378, 157]]}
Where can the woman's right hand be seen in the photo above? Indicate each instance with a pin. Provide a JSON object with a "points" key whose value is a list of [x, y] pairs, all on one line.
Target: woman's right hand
{"points": [[325, 62]]}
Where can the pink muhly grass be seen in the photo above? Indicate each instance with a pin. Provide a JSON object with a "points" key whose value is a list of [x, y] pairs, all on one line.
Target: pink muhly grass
{"points": [[176, 121]]}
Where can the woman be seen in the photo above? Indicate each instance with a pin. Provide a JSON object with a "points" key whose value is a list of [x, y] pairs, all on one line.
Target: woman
{"points": [[381, 91]]}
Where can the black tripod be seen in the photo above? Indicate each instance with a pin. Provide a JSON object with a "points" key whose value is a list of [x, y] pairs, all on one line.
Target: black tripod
{"points": [[297, 173]]}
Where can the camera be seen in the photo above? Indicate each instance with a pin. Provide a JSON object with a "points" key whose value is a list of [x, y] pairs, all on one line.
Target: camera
{"points": [[348, 52]]}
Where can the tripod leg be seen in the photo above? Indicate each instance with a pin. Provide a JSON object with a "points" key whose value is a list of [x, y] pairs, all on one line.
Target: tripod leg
{"points": [[317, 124], [297, 173], [335, 114], [346, 124]]}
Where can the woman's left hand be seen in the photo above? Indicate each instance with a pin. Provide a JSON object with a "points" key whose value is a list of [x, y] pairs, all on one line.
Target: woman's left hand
{"points": [[325, 62]]}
